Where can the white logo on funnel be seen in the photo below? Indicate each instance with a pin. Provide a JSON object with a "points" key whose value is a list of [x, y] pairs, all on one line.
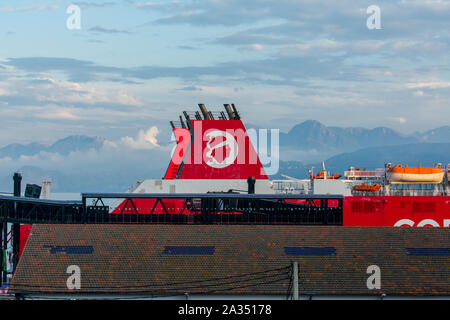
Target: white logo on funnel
{"points": [[229, 143]]}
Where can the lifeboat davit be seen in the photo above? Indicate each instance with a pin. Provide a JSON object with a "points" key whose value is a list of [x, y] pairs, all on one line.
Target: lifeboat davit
{"points": [[366, 188], [400, 174]]}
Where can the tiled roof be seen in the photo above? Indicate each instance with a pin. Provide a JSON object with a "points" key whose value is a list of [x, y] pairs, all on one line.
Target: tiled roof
{"points": [[174, 259]]}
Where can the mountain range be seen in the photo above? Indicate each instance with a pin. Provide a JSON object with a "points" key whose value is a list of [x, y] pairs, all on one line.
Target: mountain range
{"points": [[62, 146], [313, 135], [413, 154]]}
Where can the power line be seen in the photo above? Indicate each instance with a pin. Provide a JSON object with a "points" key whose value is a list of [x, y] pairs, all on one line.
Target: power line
{"points": [[165, 284], [182, 289], [169, 295], [250, 285], [288, 293]]}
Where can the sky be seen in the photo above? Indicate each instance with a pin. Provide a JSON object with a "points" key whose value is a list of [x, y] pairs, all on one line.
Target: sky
{"points": [[135, 65]]}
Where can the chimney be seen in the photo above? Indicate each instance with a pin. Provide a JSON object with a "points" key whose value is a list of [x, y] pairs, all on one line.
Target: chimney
{"points": [[205, 112], [229, 111], [17, 184], [188, 120], [182, 123], [236, 114], [45, 190], [251, 185]]}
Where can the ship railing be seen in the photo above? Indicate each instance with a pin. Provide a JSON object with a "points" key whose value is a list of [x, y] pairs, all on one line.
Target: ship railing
{"points": [[215, 115], [219, 208], [374, 174]]}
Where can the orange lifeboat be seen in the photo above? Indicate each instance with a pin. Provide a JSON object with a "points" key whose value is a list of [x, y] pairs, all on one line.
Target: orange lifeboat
{"points": [[320, 175], [366, 188], [323, 174], [400, 174]]}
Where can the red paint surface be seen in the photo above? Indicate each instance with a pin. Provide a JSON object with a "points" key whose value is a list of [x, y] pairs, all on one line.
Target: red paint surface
{"points": [[387, 211], [247, 163], [183, 141], [25, 230]]}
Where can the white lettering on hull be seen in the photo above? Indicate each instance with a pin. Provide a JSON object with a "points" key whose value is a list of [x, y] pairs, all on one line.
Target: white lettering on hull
{"points": [[423, 223]]}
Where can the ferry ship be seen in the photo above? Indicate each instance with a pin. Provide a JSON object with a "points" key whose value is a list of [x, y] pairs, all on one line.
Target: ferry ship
{"points": [[214, 153]]}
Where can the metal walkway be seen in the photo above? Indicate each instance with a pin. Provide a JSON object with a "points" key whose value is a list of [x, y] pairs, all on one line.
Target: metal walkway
{"points": [[210, 208]]}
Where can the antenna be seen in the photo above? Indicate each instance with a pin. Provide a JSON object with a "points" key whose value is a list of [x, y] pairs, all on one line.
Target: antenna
{"points": [[324, 170]]}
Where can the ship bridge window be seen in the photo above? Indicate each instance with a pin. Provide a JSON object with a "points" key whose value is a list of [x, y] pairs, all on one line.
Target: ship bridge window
{"points": [[288, 186], [189, 250]]}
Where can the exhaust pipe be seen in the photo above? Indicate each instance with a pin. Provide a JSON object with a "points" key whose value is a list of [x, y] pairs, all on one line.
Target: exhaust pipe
{"points": [[236, 113], [188, 120], [251, 185], [229, 111], [205, 112], [182, 123]]}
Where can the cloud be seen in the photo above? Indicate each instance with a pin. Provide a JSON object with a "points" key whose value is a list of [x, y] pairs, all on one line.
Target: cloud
{"points": [[400, 120], [429, 4], [58, 115], [108, 169], [30, 8], [43, 91], [94, 5], [184, 47], [430, 85], [149, 4], [257, 47], [144, 140], [98, 29], [319, 58], [188, 88], [258, 70]]}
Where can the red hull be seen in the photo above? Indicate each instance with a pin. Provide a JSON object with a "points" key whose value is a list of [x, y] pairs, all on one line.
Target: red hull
{"points": [[397, 211]]}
